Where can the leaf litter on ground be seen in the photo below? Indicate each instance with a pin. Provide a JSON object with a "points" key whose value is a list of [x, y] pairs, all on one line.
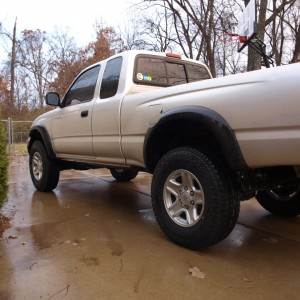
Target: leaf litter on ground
{"points": [[195, 272]]}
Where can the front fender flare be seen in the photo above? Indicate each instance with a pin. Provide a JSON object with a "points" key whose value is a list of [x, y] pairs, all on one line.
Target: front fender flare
{"points": [[41, 133]]}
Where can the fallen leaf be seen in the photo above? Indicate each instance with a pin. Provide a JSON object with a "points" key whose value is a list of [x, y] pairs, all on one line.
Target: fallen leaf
{"points": [[195, 272], [12, 237]]}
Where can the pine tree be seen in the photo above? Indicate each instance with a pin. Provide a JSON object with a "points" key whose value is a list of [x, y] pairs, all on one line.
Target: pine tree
{"points": [[3, 166]]}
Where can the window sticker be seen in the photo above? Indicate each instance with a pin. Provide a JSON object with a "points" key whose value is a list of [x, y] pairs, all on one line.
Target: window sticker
{"points": [[141, 77]]}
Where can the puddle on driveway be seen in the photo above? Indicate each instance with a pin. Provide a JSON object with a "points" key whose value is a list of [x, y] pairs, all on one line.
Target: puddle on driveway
{"points": [[148, 215], [45, 235], [95, 239]]}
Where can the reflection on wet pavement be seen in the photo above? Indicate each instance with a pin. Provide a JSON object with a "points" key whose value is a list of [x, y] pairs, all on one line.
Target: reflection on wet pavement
{"points": [[93, 238]]}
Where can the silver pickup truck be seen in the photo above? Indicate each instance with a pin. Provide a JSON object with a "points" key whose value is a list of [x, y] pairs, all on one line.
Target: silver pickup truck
{"points": [[209, 143]]}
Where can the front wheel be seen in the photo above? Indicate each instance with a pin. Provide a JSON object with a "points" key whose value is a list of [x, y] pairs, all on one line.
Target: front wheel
{"points": [[43, 171], [124, 175], [192, 198], [283, 201]]}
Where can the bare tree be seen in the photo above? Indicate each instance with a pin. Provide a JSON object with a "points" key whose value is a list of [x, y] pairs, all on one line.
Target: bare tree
{"points": [[193, 26], [23, 93], [228, 60], [12, 65], [33, 61], [64, 60], [158, 31], [196, 27], [198, 24], [13, 40], [133, 35], [270, 15], [150, 27], [292, 21]]}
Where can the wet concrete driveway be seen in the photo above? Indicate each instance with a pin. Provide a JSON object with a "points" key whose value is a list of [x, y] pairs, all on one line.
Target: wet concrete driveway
{"points": [[93, 238]]}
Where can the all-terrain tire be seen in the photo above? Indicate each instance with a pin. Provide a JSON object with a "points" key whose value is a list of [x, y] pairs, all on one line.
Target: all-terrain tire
{"points": [[44, 172], [192, 198], [124, 175], [282, 201]]}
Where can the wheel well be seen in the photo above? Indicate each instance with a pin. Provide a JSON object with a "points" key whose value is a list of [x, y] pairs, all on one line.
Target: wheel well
{"points": [[178, 133], [41, 134], [34, 136]]}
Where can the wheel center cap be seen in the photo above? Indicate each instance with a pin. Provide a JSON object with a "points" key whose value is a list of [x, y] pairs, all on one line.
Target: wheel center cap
{"points": [[185, 198]]}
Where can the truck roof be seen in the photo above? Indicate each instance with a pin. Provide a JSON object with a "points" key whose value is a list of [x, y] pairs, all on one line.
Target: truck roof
{"points": [[133, 53]]}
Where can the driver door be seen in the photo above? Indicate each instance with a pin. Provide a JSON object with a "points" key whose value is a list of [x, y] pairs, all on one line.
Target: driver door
{"points": [[71, 127]]}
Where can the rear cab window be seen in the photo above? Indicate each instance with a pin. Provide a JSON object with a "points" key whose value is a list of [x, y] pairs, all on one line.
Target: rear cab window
{"points": [[111, 77], [166, 71]]}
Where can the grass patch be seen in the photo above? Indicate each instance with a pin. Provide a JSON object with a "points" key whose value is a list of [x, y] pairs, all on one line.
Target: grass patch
{"points": [[19, 149]]}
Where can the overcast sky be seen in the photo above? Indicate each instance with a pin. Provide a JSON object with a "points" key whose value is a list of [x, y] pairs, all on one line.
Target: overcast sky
{"points": [[77, 15]]}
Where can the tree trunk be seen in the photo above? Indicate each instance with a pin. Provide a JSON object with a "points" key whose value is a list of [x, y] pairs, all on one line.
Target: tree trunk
{"points": [[210, 49], [254, 59], [12, 67], [296, 52]]}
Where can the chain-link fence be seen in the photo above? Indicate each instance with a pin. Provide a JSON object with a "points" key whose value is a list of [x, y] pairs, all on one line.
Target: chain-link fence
{"points": [[17, 133]]}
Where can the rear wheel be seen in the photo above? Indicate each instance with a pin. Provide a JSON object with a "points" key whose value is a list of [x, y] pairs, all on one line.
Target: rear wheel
{"points": [[124, 174], [43, 171], [192, 198], [282, 201]]}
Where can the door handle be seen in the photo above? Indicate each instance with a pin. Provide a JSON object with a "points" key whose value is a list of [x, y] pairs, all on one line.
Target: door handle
{"points": [[84, 113]]}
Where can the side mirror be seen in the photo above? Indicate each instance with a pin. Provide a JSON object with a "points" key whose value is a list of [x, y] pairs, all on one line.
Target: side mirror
{"points": [[53, 99]]}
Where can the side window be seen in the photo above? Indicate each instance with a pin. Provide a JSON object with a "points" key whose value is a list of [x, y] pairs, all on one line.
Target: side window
{"points": [[83, 88], [111, 76], [196, 73]]}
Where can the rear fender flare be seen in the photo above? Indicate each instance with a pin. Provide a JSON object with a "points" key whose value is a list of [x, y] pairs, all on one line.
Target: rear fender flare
{"points": [[213, 121]]}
